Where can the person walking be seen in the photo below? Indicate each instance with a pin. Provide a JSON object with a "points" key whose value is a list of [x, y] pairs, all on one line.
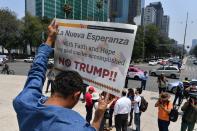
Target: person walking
{"points": [[131, 96], [189, 114], [121, 110], [51, 78], [144, 78], [89, 103], [36, 112], [164, 109], [179, 94], [162, 81], [137, 112]]}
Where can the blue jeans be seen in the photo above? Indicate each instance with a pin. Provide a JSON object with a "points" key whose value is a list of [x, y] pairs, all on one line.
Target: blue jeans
{"points": [[143, 84], [137, 121], [163, 125]]}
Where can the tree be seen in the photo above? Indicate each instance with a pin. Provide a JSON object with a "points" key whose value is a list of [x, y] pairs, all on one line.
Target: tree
{"points": [[138, 44], [9, 30], [151, 40], [32, 30], [194, 51]]}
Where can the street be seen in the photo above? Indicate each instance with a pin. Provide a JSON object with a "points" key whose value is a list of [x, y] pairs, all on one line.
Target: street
{"points": [[21, 68]]}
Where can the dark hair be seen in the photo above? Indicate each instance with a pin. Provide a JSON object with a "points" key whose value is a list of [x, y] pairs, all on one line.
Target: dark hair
{"points": [[124, 93], [186, 78], [139, 90], [68, 82], [130, 92]]}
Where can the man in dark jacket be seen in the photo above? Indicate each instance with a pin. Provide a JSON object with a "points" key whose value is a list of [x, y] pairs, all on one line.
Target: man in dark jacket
{"points": [[179, 94], [189, 115]]}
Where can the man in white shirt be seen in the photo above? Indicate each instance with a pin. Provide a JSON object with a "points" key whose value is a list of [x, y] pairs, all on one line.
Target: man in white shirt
{"points": [[121, 110], [144, 78], [137, 112]]}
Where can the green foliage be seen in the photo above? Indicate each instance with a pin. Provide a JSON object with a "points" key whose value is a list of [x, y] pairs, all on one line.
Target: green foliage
{"points": [[34, 30], [151, 40], [155, 44], [138, 45], [9, 33], [194, 51]]}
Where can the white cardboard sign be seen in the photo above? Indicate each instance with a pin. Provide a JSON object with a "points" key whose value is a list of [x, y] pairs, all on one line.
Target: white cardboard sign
{"points": [[99, 51]]}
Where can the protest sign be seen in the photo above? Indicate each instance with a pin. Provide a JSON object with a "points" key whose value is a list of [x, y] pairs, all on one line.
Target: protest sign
{"points": [[99, 51]]}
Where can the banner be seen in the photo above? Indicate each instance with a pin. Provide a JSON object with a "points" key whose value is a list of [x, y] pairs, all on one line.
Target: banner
{"points": [[99, 51]]}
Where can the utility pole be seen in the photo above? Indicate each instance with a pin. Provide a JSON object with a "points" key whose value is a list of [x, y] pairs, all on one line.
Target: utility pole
{"points": [[185, 36]]}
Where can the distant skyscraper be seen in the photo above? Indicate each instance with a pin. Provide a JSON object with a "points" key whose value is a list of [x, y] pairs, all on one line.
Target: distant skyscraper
{"points": [[126, 11], [194, 43], [45, 8], [149, 15], [159, 13], [165, 25], [81, 9]]}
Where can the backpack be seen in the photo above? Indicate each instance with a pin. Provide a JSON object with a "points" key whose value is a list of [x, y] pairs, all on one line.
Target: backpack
{"points": [[144, 104], [174, 114]]}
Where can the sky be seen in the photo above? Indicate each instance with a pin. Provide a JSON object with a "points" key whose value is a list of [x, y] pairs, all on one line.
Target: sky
{"points": [[176, 9]]}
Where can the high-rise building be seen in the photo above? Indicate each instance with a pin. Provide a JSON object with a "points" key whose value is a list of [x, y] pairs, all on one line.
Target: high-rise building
{"points": [[136, 11], [159, 13], [149, 15], [126, 11], [45, 8], [96, 10], [80, 9], [165, 25]]}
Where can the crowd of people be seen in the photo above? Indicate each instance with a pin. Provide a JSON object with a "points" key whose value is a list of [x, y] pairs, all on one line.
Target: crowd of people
{"points": [[127, 107], [36, 112]]}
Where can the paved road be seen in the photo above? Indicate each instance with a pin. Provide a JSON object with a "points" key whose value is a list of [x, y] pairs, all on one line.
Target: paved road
{"points": [[190, 71], [20, 68]]}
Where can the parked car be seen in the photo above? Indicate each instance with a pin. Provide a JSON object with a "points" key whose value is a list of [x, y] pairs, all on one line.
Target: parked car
{"points": [[163, 62], [168, 71], [195, 62], [152, 62], [159, 61], [29, 59], [173, 85], [134, 73]]}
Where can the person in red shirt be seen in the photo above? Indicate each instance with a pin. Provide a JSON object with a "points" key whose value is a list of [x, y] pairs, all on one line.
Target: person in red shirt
{"points": [[89, 103]]}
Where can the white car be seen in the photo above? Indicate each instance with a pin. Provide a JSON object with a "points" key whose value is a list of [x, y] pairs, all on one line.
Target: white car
{"points": [[29, 59], [152, 62], [168, 71], [173, 85], [1, 61]]}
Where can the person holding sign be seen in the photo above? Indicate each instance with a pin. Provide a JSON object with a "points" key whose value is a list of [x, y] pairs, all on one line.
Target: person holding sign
{"points": [[35, 112]]}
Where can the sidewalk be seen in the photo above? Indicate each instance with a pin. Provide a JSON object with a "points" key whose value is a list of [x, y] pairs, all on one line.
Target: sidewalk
{"points": [[10, 86]]}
